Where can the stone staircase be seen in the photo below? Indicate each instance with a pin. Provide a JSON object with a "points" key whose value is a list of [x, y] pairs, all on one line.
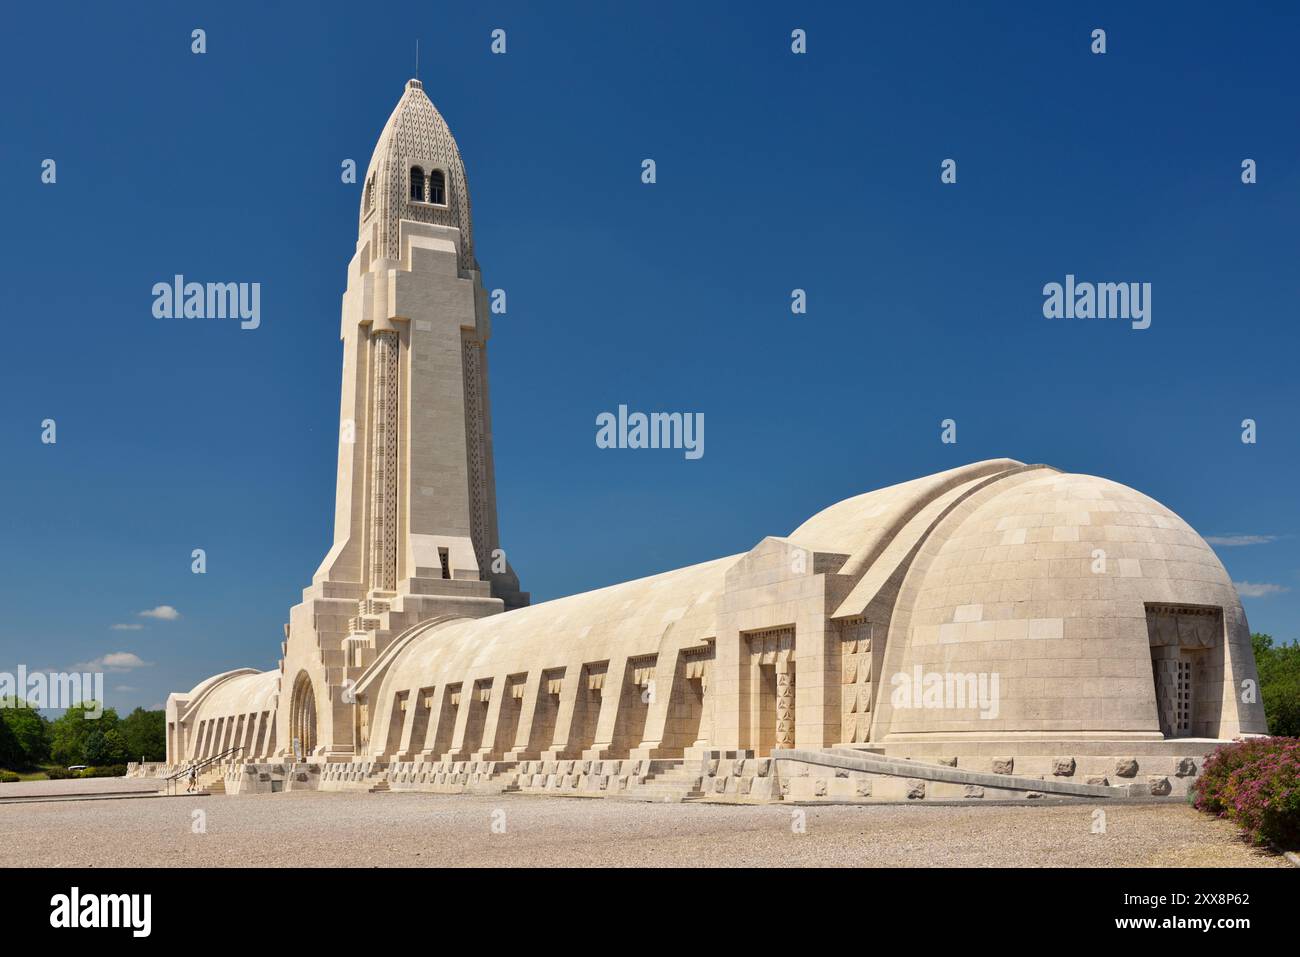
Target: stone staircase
{"points": [[671, 786], [211, 780]]}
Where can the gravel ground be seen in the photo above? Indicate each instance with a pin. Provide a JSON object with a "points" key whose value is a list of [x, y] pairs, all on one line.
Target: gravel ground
{"points": [[332, 829], [27, 789]]}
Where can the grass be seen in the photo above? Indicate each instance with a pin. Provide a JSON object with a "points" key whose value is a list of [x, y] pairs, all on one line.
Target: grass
{"points": [[35, 773]]}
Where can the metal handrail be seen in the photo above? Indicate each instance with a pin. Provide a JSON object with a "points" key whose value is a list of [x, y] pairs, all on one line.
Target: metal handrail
{"points": [[197, 766]]}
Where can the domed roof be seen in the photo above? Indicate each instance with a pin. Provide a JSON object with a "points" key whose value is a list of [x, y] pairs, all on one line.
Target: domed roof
{"points": [[674, 609], [1045, 585], [243, 691], [1045, 579], [857, 526], [415, 135]]}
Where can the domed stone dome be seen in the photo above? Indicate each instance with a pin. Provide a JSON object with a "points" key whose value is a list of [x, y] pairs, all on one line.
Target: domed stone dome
{"points": [[1072, 589]]}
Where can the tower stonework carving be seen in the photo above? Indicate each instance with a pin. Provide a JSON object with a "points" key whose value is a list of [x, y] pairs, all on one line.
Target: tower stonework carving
{"points": [[415, 521], [384, 411]]}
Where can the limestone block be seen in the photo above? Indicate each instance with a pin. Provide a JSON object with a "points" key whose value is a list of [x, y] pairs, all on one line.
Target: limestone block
{"points": [[1063, 767], [974, 791], [1126, 767], [915, 790], [1160, 785], [1098, 779], [1004, 765], [1186, 768]]}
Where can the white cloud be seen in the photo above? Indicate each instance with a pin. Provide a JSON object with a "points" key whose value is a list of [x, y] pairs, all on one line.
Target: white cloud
{"points": [[121, 627], [1253, 590], [113, 661], [163, 612], [125, 688], [1233, 540]]}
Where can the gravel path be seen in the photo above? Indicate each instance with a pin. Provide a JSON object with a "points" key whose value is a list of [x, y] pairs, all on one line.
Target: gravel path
{"points": [[27, 789], [340, 829]]}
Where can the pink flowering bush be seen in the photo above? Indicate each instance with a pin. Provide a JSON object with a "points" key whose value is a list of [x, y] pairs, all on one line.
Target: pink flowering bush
{"points": [[1255, 784]]}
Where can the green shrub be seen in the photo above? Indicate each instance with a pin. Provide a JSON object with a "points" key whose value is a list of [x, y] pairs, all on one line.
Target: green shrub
{"points": [[8, 777], [1256, 785], [58, 774], [103, 771]]}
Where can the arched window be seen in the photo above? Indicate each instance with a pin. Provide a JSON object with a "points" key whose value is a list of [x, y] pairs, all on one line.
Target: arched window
{"points": [[437, 188], [417, 184]]}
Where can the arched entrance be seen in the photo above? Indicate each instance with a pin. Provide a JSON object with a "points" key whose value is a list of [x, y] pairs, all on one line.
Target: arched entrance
{"points": [[302, 716]]}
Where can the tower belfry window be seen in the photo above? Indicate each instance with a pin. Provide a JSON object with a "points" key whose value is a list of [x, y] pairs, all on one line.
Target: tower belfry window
{"points": [[417, 184], [438, 188]]}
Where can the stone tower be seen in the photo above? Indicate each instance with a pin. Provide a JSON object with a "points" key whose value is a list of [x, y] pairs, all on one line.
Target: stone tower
{"points": [[415, 521]]}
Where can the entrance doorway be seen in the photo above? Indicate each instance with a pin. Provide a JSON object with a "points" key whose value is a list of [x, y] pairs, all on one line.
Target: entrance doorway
{"points": [[302, 715], [1187, 667], [771, 690]]}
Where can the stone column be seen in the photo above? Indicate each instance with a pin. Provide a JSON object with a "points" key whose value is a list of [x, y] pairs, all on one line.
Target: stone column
{"points": [[784, 704], [383, 443]]}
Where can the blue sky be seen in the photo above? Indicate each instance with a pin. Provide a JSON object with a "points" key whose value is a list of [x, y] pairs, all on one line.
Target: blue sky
{"points": [[775, 172]]}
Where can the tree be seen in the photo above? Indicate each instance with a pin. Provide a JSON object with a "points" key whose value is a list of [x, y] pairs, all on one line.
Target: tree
{"points": [[146, 735], [1279, 684], [29, 727], [11, 752], [70, 732], [104, 745]]}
